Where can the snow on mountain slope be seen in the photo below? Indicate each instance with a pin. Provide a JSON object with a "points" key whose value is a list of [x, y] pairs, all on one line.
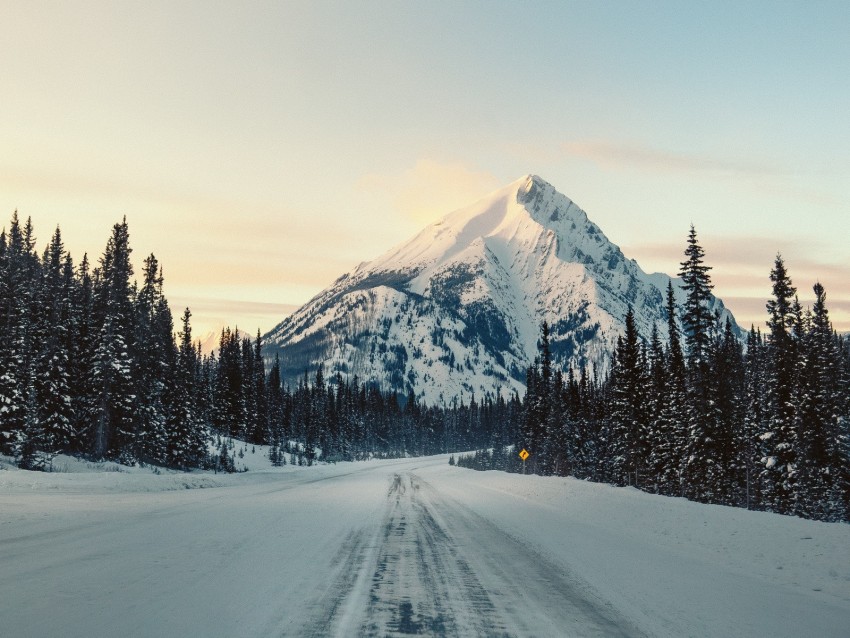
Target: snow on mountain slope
{"points": [[457, 309]]}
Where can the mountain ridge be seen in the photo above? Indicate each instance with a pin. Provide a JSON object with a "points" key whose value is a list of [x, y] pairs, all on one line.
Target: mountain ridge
{"points": [[456, 310]]}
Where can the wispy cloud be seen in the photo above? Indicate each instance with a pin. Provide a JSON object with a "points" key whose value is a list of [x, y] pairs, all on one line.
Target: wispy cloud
{"points": [[211, 314], [429, 189], [620, 155], [778, 180]]}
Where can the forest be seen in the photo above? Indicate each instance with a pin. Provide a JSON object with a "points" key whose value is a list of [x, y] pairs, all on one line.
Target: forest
{"points": [[92, 364], [697, 414]]}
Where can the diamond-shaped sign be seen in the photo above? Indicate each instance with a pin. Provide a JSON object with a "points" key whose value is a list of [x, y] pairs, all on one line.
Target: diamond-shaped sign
{"points": [[524, 454]]}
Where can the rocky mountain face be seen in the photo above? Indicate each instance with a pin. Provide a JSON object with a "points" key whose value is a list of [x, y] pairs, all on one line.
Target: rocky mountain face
{"points": [[457, 310]]}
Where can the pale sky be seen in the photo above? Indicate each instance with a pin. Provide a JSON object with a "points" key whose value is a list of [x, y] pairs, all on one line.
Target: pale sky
{"points": [[260, 150]]}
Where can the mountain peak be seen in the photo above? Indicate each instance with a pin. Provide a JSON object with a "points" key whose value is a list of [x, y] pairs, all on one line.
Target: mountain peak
{"points": [[456, 310]]}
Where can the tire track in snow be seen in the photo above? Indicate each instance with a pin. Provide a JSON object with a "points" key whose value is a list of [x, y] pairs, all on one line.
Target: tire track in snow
{"points": [[534, 596], [432, 567]]}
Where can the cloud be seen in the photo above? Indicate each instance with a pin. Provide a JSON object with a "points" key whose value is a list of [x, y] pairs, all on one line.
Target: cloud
{"points": [[430, 189], [615, 155], [763, 177], [211, 314], [232, 306]]}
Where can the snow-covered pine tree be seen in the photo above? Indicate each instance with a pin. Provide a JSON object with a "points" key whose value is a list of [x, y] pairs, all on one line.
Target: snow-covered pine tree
{"points": [[533, 435], [816, 415], [528, 436], [701, 469], [13, 342], [657, 399], [54, 408], [628, 410], [114, 433], [557, 435], [186, 434], [584, 434], [249, 396], [260, 425], [841, 486], [229, 412], [752, 448], [728, 371], [153, 358], [81, 358], [315, 415], [780, 437], [20, 273], [274, 401], [696, 316]]}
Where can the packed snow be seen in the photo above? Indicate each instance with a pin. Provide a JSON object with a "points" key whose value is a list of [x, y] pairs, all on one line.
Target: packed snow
{"points": [[400, 546]]}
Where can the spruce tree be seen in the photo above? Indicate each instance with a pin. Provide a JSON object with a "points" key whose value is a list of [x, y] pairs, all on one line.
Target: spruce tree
{"points": [[275, 402], [752, 447], [14, 376], [186, 435], [260, 434], [816, 416], [671, 427], [780, 461], [114, 433], [82, 358], [657, 399], [728, 372], [696, 315], [628, 413], [54, 409], [153, 364], [701, 468]]}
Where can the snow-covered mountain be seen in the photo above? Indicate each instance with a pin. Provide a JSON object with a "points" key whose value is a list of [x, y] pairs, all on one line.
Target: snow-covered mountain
{"points": [[457, 309]]}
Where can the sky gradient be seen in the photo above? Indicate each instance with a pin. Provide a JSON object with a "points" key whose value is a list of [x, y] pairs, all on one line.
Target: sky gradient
{"points": [[260, 150]]}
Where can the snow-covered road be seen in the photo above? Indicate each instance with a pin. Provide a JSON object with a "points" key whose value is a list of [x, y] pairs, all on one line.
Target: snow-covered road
{"points": [[405, 547], [429, 565]]}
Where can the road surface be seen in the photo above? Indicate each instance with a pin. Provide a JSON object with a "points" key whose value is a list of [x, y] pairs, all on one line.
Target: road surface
{"points": [[408, 547]]}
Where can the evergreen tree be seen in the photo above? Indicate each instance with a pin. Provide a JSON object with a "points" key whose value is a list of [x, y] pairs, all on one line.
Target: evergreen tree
{"points": [[153, 363], [260, 434], [14, 342], [81, 358], [186, 434], [702, 471], [538, 405], [275, 403], [696, 316], [54, 411], [114, 407], [628, 415], [670, 430], [657, 399], [751, 446], [780, 461], [229, 400], [816, 416], [728, 372]]}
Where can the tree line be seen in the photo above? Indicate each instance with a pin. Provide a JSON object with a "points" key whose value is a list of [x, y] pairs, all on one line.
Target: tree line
{"points": [[698, 415], [90, 365]]}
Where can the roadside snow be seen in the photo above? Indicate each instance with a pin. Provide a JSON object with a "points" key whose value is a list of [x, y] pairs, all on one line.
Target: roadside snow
{"points": [[677, 567], [297, 551]]}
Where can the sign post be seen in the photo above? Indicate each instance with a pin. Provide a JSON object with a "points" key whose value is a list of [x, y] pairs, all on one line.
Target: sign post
{"points": [[524, 455]]}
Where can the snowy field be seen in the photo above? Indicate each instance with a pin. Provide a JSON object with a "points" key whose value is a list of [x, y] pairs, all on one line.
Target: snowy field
{"points": [[399, 547]]}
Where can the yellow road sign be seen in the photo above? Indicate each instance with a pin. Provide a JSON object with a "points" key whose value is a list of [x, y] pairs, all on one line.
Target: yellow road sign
{"points": [[524, 454]]}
